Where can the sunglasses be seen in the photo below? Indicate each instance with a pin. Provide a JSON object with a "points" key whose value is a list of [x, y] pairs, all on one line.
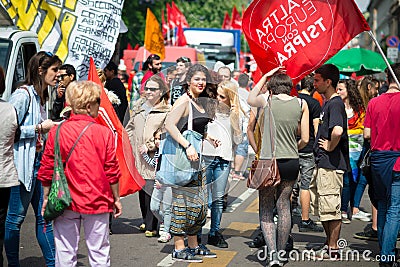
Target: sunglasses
{"points": [[61, 76], [152, 89]]}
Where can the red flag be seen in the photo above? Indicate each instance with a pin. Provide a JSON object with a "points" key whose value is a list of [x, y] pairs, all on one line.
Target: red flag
{"points": [[300, 36], [136, 47], [129, 47], [164, 25], [227, 22], [171, 17], [131, 181], [180, 37], [236, 19], [181, 18]]}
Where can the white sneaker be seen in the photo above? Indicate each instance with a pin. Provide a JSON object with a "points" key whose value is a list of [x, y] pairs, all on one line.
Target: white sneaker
{"points": [[161, 230], [362, 216], [164, 237], [345, 218]]}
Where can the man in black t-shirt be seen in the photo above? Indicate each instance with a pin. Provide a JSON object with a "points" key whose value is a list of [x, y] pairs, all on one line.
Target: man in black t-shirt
{"points": [[331, 151], [306, 156], [115, 85], [182, 66]]}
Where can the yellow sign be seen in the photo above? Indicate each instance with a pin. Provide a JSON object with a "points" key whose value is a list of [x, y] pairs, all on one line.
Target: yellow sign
{"points": [[153, 38]]}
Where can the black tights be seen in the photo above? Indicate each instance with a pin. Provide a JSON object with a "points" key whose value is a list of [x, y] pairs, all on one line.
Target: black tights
{"points": [[267, 196]]}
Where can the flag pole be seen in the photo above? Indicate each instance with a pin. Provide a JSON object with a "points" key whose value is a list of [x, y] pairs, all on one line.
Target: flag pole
{"points": [[384, 57]]}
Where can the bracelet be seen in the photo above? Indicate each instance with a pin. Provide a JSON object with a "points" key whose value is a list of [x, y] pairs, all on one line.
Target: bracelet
{"points": [[189, 145]]}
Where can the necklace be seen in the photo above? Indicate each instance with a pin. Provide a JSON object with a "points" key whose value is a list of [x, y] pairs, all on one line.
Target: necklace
{"points": [[394, 88]]}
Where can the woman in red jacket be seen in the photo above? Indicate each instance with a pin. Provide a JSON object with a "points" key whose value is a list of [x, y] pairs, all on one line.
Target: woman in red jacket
{"points": [[92, 172]]}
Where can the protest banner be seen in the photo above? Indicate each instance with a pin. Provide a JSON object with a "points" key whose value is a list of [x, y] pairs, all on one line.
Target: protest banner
{"points": [[131, 181], [300, 34], [74, 30]]}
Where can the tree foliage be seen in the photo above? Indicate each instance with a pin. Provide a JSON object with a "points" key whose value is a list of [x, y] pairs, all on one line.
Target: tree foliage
{"points": [[198, 13]]}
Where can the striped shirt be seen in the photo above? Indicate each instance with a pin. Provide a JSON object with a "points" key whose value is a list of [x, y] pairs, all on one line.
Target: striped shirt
{"points": [[151, 161]]}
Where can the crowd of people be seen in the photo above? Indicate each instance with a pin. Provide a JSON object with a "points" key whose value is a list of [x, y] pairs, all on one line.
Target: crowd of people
{"points": [[318, 135]]}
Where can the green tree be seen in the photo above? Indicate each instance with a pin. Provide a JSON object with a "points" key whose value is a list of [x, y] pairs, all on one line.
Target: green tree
{"points": [[198, 13]]}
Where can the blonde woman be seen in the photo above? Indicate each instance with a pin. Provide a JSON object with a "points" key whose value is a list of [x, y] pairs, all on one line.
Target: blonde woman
{"points": [[92, 173], [219, 159]]}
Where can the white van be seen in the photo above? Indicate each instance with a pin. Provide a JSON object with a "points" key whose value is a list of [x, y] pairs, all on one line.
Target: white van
{"points": [[16, 48]]}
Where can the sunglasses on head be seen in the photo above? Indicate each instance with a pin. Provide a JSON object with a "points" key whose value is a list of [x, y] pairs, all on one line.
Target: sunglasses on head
{"points": [[184, 59], [152, 89], [46, 53]]}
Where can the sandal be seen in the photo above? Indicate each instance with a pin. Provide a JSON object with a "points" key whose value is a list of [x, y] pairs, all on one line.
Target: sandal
{"points": [[237, 176]]}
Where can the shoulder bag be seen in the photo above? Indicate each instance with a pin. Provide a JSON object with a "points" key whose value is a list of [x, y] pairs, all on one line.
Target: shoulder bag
{"points": [[59, 196], [264, 173], [175, 168]]}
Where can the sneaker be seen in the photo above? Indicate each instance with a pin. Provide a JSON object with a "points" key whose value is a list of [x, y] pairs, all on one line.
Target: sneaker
{"points": [[310, 226], [217, 240], [161, 229], [367, 234], [362, 216], [142, 227], [164, 237], [202, 250], [345, 218], [185, 255], [150, 233]]}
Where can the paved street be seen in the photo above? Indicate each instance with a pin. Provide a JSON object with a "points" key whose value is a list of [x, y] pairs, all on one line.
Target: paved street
{"points": [[129, 246]]}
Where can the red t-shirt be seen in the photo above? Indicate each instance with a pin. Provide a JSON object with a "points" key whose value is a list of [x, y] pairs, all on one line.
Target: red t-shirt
{"points": [[382, 118]]}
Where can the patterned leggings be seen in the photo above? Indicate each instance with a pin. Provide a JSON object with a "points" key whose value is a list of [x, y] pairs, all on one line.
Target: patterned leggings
{"points": [[279, 196]]}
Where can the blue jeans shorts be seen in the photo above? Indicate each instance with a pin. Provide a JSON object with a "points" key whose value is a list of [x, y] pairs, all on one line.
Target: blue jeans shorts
{"points": [[242, 149]]}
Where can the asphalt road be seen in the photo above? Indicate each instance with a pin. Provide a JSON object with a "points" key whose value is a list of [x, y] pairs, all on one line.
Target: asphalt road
{"points": [[129, 246]]}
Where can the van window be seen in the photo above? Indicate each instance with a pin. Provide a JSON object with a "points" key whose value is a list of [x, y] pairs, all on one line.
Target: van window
{"points": [[5, 50], [25, 52]]}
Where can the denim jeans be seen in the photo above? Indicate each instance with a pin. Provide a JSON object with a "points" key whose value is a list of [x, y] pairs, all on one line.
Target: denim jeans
{"points": [[17, 209], [160, 205], [389, 220], [217, 176], [347, 191], [361, 181]]}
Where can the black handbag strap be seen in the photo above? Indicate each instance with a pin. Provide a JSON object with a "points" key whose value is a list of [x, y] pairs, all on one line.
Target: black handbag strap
{"points": [[29, 104], [77, 140]]}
